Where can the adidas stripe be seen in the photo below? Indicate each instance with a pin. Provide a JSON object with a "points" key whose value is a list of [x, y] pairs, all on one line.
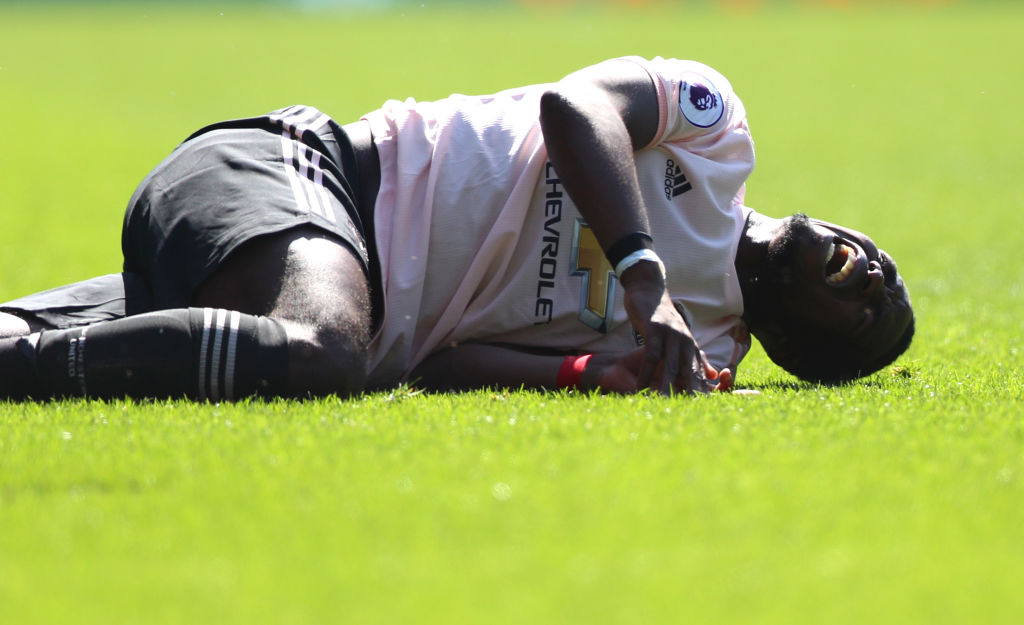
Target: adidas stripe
{"points": [[218, 354], [302, 164]]}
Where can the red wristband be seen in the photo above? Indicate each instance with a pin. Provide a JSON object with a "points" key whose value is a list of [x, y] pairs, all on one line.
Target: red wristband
{"points": [[571, 371]]}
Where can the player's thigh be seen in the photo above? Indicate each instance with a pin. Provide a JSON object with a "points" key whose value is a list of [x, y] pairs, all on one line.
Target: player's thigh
{"points": [[314, 285]]}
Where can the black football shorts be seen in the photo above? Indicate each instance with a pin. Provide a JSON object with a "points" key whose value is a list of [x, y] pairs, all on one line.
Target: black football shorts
{"points": [[226, 184]]}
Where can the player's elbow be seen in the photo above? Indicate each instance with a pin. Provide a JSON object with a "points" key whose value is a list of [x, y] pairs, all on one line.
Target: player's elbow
{"points": [[575, 100], [557, 107]]}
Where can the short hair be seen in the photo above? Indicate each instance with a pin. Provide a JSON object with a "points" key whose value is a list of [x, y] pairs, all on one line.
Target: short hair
{"points": [[823, 357]]}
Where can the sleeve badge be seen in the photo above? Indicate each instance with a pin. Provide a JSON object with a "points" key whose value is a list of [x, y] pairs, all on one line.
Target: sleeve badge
{"points": [[700, 101]]}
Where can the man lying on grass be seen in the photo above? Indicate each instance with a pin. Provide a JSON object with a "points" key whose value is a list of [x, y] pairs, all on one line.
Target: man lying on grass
{"points": [[590, 233]]}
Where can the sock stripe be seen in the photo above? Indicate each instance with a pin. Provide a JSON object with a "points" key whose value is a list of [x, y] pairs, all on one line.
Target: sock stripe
{"points": [[204, 353], [218, 339], [229, 366]]}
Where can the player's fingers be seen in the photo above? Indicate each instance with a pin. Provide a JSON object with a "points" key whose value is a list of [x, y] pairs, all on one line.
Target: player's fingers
{"points": [[670, 370], [698, 375], [652, 356], [691, 382], [691, 379], [709, 371], [724, 381]]}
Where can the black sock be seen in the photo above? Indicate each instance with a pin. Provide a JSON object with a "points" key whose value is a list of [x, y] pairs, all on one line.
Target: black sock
{"points": [[202, 353]]}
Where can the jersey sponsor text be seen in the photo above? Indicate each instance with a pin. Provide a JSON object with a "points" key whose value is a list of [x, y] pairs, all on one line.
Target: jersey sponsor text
{"points": [[544, 305]]}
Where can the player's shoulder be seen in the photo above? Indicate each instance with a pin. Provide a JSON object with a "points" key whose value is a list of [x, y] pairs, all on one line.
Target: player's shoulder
{"points": [[694, 98], [674, 70]]}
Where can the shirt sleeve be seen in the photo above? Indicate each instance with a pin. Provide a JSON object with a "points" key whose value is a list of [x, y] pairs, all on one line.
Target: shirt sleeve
{"points": [[694, 100], [727, 350]]}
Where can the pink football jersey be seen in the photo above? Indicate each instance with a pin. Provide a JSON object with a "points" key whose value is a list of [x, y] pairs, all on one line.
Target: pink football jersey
{"points": [[478, 240]]}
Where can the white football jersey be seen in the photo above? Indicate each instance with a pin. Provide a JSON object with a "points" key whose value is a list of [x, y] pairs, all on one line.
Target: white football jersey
{"points": [[478, 240]]}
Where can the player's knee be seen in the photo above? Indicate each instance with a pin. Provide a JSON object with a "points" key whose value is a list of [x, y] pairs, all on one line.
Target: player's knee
{"points": [[12, 325], [326, 361]]}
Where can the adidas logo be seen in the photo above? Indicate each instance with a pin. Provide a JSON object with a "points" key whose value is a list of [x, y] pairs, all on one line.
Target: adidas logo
{"points": [[675, 180]]}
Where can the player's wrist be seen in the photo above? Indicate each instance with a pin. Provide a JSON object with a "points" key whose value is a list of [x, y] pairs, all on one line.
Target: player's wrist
{"points": [[627, 245], [633, 249], [648, 272], [570, 373]]}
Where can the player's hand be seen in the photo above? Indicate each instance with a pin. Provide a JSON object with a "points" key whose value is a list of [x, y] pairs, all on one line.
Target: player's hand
{"points": [[613, 373], [673, 361], [620, 372]]}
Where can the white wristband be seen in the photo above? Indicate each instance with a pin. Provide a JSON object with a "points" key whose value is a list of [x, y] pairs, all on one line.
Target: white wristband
{"points": [[636, 257]]}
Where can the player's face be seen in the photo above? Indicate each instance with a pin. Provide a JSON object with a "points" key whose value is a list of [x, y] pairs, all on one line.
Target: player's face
{"points": [[836, 279]]}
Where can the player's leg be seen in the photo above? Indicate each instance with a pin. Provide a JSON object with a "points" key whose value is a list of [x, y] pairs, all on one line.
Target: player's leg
{"points": [[13, 325], [285, 314], [246, 219], [299, 169], [192, 352], [102, 298], [315, 287], [43, 341]]}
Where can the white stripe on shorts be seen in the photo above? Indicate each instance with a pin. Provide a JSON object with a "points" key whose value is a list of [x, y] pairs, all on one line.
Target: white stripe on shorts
{"points": [[306, 179], [295, 119], [303, 165], [318, 182], [288, 152]]}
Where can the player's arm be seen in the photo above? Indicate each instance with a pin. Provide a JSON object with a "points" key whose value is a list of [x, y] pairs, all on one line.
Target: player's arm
{"points": [[482, 365], [479, 365], [593, 121]]}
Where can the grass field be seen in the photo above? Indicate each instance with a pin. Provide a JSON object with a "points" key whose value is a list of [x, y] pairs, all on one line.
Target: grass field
{"points": [[896, 500]]}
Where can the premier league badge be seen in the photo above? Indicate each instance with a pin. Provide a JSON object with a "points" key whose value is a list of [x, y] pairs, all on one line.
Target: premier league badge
{"points": [[700, 101]]}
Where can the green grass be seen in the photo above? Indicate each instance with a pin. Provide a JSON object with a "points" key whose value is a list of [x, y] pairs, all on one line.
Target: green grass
{"points": [[895, 500]]}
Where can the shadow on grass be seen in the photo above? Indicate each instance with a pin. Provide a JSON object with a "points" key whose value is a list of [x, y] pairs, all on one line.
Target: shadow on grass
{"points": [[876, 381]]}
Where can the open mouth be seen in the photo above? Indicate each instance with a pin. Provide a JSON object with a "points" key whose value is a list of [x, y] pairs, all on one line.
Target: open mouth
{"points": [[840, 261]]}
